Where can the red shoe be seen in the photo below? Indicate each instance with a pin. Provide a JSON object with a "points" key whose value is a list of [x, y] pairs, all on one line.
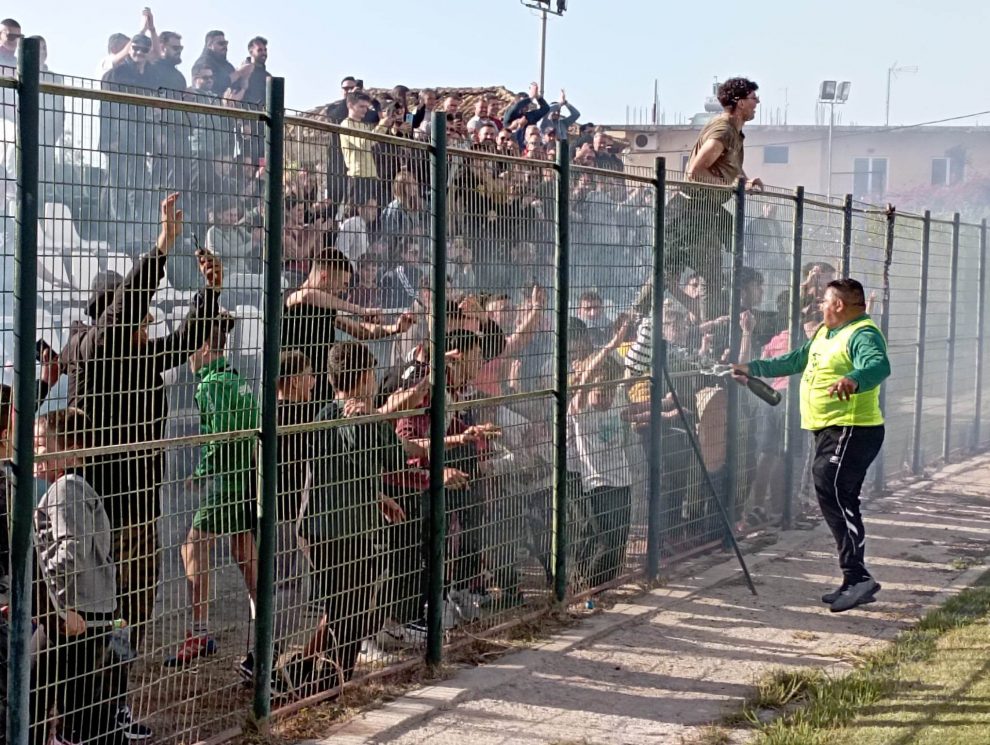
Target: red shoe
{"points": [[192, 648]]}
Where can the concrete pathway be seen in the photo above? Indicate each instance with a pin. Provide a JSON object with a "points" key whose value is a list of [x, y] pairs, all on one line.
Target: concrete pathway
{"points": [[660, 668]]}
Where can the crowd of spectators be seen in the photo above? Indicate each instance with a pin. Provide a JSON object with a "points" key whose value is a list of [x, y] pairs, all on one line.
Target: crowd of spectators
{"points": [[355, 341]]}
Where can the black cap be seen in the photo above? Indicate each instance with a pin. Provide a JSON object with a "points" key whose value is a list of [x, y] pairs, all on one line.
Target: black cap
{"points": [[104, 285], [140, 40]]}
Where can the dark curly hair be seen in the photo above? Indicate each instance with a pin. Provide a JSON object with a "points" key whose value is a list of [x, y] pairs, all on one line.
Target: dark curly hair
{"points": [[734, 90]]}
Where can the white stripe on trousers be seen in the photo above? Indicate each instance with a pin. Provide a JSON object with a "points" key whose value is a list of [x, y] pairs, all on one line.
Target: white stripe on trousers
{"points": [[840, 450]]}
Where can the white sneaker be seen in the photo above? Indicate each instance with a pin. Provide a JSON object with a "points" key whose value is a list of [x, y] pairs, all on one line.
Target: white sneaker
{"points": [[452, 616], [392, 636], [414, 634]]}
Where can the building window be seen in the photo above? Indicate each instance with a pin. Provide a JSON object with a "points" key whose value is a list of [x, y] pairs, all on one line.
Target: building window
{"points": [[869, 177], [685, 159], [946, 171], [776, 154]]}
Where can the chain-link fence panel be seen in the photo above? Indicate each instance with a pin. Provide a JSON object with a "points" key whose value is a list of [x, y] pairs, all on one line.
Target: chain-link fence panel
{"points": [[150, 277], [765, 307], [965, 341], [502, 280], [902, 344], [936, 309], [611, 228]]}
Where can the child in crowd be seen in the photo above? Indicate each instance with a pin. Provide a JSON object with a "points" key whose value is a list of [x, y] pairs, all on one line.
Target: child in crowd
{"points": [[226, 479], [596, 446], [75, 560]]}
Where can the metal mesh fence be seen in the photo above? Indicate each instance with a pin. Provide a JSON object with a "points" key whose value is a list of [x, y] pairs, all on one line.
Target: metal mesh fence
{"points": [[902, 342], [159, 530]]}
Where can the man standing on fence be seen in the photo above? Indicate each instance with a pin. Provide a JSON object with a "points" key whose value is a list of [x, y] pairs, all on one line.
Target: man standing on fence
{"points": [[842, 366], [698, 225]]}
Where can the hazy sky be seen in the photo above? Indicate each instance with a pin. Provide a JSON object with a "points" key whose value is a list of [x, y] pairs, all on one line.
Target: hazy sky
{"points": [[606, 53]]}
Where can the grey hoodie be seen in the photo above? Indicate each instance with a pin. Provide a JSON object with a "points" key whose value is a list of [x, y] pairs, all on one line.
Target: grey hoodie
{"points": [[74, 550], [561, 124]]}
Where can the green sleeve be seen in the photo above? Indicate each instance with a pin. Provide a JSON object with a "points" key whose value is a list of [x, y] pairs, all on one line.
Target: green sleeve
{"points": [[791, 363], [869, 356], [208, 392]]}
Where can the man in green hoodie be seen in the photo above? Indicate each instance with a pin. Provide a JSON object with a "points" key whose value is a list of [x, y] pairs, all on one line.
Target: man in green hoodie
{"points": [[226, 480], [842, 366]]}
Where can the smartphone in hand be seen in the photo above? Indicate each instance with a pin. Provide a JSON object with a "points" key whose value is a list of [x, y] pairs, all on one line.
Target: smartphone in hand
{"points": [[44, 353], [200, 250]]}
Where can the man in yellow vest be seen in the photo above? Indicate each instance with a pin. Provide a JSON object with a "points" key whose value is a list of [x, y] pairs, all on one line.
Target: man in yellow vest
{"points": [[842, 367]]}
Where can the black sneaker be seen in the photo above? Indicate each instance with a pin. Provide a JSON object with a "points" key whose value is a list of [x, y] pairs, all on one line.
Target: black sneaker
{"points": [[293, 679], [861, 593], [132, 731], [245, 668], [830, 597]]}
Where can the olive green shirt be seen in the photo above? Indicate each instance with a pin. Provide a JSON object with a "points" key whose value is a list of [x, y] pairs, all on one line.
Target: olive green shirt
{"points": [[729, 165]]}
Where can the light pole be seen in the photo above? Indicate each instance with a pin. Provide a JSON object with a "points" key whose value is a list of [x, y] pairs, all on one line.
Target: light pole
{"points": [[543, 6], [891, 74], [832, 93]]}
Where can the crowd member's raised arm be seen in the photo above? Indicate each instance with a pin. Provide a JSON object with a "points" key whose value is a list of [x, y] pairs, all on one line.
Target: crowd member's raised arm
{"points": [[365, 330], [517, 341], [592, 364], [121, 309], [327, 299]]}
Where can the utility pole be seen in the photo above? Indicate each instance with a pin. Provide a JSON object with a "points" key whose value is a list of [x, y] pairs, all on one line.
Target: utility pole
{"points": [[543, 6], [892, 72]]}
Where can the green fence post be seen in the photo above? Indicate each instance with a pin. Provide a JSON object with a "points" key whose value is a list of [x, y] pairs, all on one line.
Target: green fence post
{"points": [[847, 226], [981, 311], [267, 529], [792, 430], [562, 260], [25, 391], [879, 477], [951, 340], [919, 381], [735, 341], [436, 536], [659, 359]]}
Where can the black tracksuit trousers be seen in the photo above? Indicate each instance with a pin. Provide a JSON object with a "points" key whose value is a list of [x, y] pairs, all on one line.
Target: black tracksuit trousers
{"points": [[842, 456]]}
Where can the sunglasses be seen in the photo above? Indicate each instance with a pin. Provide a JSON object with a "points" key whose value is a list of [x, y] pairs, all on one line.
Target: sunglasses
{"points": [[141, 50]]}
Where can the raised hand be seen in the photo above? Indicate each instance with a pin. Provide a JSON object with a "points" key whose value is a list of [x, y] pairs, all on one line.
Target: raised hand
{"points": [[171, 223]]}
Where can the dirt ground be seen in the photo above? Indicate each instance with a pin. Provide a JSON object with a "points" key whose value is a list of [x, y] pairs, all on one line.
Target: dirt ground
{"points": [[659, 668]]}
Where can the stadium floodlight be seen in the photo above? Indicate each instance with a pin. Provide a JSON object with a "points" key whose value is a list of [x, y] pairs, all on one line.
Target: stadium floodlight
{"points": [[832, 93]]}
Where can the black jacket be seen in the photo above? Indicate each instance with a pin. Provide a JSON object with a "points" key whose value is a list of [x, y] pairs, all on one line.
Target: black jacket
{"points": [[125, 127], [118, 383], [168, 78], [222, 70]]}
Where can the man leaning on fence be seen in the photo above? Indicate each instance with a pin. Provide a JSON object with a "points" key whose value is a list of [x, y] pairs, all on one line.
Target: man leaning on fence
{"points": [[698, 226], [115, 377], [842, 366]]}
